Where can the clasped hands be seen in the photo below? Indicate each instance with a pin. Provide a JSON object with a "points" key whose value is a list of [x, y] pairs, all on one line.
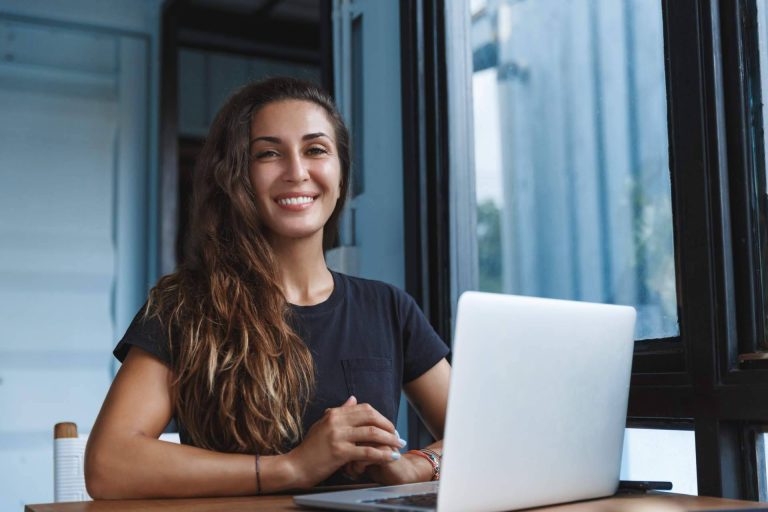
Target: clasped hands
{"points": [[359, 439]]}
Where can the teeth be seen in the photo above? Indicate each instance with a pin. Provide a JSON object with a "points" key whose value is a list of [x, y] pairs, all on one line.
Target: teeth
{"points": [[295, 200]]}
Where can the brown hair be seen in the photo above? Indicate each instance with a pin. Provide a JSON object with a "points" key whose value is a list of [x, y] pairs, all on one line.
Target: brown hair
{"points": [[242, 376]]}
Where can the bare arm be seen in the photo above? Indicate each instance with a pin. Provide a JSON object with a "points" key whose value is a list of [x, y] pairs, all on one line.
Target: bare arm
{"points": [[124, 458], [429, 396]]}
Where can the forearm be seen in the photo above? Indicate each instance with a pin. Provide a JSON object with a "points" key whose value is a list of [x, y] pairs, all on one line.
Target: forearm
{"points": [[143, 467]]}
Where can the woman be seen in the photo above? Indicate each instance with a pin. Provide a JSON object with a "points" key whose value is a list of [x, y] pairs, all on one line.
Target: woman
{"points": [[279, 372]]}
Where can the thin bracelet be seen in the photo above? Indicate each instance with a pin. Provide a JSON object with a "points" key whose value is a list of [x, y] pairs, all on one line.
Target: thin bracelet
{"points": [[433, 459], [437, 457], [258, 475], [433, 452]]}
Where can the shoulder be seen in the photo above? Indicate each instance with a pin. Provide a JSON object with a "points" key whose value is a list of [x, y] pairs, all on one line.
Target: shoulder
{"points": [[371, 297], [149, 332]]}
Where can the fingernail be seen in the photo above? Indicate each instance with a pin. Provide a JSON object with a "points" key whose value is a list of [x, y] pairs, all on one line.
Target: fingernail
{"points": [[395, 455], [403, 442], [397, 433]]}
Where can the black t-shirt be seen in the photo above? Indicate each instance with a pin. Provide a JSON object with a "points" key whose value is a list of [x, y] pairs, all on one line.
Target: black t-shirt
{"points": [[367, 339]]}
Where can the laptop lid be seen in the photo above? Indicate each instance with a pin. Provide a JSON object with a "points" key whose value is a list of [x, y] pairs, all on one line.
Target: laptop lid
{"points": [[537, 404], [536, 409]]}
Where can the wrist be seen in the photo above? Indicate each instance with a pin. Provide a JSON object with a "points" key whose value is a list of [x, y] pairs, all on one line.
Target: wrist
{"points": [[291, 472], [421, 466]]}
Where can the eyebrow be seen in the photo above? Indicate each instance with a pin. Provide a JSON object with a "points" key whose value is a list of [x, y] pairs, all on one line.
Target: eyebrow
{"points": [[277, 140]]}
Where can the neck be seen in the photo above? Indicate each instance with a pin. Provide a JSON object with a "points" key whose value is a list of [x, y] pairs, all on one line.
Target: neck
{"points": [[304, 276]]}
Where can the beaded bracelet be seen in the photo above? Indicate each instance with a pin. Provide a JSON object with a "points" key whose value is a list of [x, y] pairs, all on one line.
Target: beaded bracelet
{"points": [[433, 457]]}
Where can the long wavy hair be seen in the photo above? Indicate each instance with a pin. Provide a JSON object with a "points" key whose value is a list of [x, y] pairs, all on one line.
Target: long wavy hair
{"points": [[242, 376]]}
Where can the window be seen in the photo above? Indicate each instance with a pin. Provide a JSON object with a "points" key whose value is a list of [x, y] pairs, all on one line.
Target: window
{"points": [[571, 155], [673, 85], [619, 157]]}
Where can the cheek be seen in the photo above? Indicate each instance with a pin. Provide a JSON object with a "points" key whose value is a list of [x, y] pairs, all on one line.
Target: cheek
{"points": [[260, 189], [333, 179], [260, 180]]}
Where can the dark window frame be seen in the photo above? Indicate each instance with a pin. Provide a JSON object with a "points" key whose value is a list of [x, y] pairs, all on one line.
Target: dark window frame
{"points": [[744, 124], [425, 171], [694, 381]]}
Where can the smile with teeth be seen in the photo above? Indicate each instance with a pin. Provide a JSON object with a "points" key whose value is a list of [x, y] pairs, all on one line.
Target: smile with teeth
{"points": [[286, 201]]}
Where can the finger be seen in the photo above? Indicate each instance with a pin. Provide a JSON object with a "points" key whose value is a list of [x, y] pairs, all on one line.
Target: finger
{"points": [[373, 455], [365, 414], [357, 468], [350, 471], [375, 436], [352, 400]]}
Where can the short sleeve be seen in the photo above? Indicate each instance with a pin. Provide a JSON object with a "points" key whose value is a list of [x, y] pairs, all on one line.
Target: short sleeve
{"points": [[422, 346], [147, 333]]}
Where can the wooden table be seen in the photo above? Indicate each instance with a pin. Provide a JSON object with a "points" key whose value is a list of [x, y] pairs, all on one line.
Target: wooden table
{"points": [[651, 502]]}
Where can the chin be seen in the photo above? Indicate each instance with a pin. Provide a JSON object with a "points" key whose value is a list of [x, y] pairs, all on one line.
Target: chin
{"points": [[297, 233]]}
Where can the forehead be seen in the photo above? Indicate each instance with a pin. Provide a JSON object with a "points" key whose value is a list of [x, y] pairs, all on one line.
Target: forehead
{"points": [[290, 117]]}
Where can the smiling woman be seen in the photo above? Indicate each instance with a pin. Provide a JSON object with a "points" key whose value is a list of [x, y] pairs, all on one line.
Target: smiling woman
{"points": [[279, 372]]}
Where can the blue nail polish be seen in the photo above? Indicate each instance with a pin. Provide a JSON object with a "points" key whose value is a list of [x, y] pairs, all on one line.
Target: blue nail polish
{"points": [[403, 442], [395, 455]]}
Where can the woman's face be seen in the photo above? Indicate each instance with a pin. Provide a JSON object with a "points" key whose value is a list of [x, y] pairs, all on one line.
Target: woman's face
{"points": [[294, 168]]}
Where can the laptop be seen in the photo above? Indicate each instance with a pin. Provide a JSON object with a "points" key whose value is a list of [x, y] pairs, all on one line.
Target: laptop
{"points": [[536, 409]]}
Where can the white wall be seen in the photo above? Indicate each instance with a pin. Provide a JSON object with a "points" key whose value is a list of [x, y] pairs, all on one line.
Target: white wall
{"points": [[78, 81]]}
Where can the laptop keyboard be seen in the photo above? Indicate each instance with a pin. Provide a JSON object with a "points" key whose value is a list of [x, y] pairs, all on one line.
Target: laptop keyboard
{"points": [[427, 500]]}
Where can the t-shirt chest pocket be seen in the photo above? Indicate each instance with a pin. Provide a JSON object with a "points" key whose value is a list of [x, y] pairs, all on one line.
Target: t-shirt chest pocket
{"points": [[371, 381]]}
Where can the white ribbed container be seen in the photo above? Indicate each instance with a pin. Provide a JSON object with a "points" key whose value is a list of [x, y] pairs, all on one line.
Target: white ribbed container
{"points": [[68, 469]]}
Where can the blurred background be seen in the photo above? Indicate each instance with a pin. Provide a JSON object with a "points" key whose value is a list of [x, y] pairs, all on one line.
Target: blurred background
{"points": [[104, 106]]}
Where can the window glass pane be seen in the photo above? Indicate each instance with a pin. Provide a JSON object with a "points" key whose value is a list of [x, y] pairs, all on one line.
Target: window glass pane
{"points": [[571, 154], [662, 455]]}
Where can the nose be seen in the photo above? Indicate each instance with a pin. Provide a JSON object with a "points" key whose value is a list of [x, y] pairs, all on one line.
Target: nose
{"points": [[296, 169]]}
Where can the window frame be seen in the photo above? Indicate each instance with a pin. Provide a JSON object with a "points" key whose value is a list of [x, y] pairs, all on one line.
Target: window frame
{"points": [[744, 126], [712, 158], [697, 380], [425, 173]]}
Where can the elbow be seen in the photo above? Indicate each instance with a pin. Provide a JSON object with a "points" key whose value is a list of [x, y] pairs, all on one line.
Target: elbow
{"points": [[98, 476], [96, 488], [94, 479]]}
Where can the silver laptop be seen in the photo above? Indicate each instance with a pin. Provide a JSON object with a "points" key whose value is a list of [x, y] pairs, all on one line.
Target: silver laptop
{"points": [[536, 409]]}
